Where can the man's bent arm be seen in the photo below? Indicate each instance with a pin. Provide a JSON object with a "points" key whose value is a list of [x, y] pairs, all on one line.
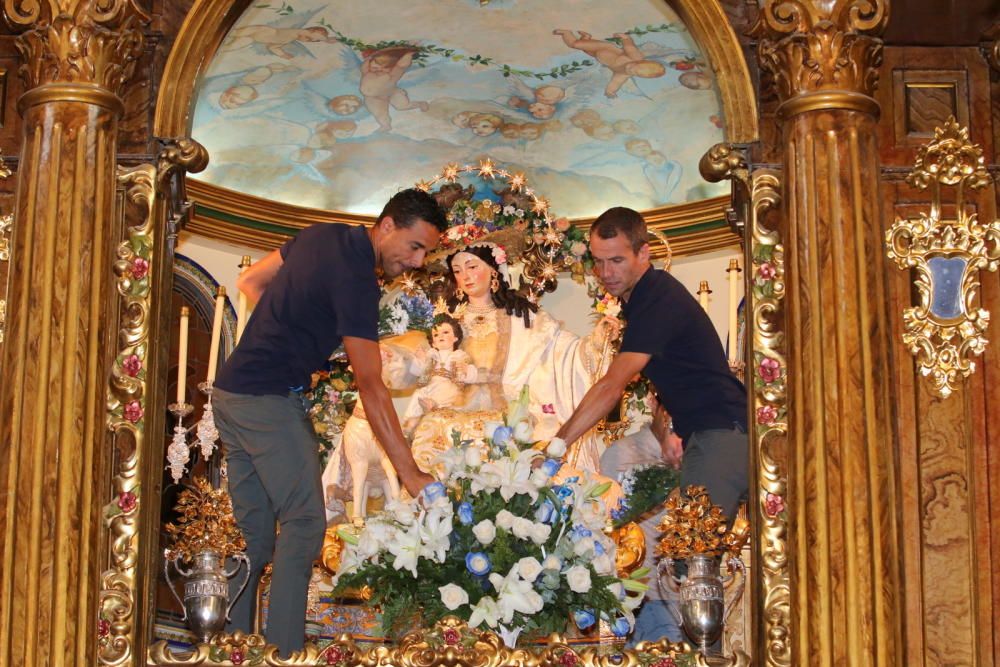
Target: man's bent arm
{"points": [[367, 364], [259, 275], [603, 396]]}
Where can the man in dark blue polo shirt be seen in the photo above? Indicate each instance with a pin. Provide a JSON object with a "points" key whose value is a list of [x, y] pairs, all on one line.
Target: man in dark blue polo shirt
{"points": [[669, 338], [318, 290]]}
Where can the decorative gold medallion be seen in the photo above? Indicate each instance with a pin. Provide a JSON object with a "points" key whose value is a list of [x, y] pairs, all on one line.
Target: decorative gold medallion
{"points": [[947, 328]]}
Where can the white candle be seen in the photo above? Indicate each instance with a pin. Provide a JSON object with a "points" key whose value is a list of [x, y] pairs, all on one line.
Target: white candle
{"points": [[241, 303], [213, 352], [182, 356], [734, 284], [703, 293]]}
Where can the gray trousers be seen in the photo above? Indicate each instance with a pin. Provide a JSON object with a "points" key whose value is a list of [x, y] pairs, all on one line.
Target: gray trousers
{"points": [[719, 460], [274, 476]]}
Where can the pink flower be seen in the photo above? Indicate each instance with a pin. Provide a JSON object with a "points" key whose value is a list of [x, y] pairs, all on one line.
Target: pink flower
{"points": [[451, 636], [568, 659], [538, 238], [562, 224], [333, 655], [579, 248], [664, 662], [236, 656], [103, 627], [127, 501], [132, 365], [766, 415], [139, 269], [548, 409], [499, 256], [766, 271], [769, 369], [773, 505], [133, 411]]}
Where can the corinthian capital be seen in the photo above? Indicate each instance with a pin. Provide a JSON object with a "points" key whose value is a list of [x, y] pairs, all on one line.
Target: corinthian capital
{"points": [[77, 41], [822, 47]]}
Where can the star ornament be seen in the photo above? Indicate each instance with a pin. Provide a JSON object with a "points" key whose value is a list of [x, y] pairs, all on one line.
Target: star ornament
{"points": [[539, 205], [517, 182], [450, 173], [424, 186], [487, 169]]}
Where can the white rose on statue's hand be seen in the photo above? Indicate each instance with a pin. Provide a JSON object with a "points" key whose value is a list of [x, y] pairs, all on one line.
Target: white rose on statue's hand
{"points": [[578, 578], [485, 532], [523, 432], [556, 448], [453, 596]]}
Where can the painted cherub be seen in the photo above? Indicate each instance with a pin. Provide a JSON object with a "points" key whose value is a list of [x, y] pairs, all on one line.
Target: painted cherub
{"points": [[625, 61], [276, 40], [380, 75], [448, 367]]}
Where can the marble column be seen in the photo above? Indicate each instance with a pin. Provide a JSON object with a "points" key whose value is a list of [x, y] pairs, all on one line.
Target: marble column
{"points": [[56, 358], [823, 56]]}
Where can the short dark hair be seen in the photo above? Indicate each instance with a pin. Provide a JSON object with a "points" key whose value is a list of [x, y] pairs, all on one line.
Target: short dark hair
{"points": [[621, 220], [456, 327], [407, 206]]}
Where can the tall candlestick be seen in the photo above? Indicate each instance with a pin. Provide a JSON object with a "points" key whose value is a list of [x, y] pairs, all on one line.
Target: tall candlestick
{"points": [[703, 293], [213, 352], [241, 303], [182, 357], [734, 284]]}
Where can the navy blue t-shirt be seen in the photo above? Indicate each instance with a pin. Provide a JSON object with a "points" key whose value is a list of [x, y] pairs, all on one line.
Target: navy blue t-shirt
{"points": [[688, 366], [325, 289]]}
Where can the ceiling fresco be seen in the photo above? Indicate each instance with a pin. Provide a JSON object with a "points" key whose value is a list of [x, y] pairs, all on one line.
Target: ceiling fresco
{"points": [[331, 105]]}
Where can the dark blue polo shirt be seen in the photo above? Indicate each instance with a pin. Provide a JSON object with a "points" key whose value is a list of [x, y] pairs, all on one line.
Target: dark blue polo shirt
{"points": [[687, 366], [324, 290]]}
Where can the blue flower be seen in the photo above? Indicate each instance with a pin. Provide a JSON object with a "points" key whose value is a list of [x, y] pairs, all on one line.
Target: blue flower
{"points": [[551, 467], [563, 492], [579, 531], [620, 627], [583, 618], [465, 513], [477, 563], [434, 491], [545, 512], [503, 435], [598, 548]]}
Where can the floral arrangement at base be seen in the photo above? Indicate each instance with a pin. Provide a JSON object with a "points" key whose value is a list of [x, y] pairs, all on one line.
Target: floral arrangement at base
{"points": [[497, 542], [693, 526], [206, 523], [644, 489]]}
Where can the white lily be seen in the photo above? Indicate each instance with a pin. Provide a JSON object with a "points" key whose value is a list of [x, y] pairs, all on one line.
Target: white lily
{"points": [[486, 610], [514, 594], [517, 410], [435, 528], [406, 548]]}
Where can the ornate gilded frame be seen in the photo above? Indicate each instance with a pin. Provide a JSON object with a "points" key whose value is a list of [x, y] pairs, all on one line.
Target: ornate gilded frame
{"points": [[126, 583], [944, 339]]}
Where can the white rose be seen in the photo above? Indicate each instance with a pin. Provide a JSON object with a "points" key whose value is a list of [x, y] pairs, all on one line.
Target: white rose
{"points": [[556, 448], [602, 564], [552, 562], [505, 519], [578, 578], [522, 528], [529, 568], [472, 456], [540, 532], [453, 596], [485, 532], [523, 432]]}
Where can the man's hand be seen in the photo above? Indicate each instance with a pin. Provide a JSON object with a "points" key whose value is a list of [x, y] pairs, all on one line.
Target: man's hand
{"points": [[673, 450], [416, 481]]}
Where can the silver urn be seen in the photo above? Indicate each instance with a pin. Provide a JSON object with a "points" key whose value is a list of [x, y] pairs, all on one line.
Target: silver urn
{"points": [[206, 591], [701, 596]]}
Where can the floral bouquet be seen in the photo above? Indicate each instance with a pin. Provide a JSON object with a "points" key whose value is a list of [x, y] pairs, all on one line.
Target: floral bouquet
{"points": [[399, 313], [331, 400], [206, 523], [644, 489], [497, 542]]}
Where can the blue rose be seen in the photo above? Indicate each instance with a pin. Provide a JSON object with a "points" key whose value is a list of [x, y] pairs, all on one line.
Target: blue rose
{"points": [[551, 467], [477, 563], [563, 492], [545, 513], [583, 618], [598, 549], [503, 435], [620, 627], [465, 513], [434, 491]]}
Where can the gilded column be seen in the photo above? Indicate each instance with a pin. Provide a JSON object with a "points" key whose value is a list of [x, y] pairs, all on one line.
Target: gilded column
{"points": [[77, 56], [823, 58]]}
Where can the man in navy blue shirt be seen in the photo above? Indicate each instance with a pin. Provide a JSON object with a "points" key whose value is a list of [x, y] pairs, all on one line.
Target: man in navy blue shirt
{"points": [[669, 338], [318, 290]]}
